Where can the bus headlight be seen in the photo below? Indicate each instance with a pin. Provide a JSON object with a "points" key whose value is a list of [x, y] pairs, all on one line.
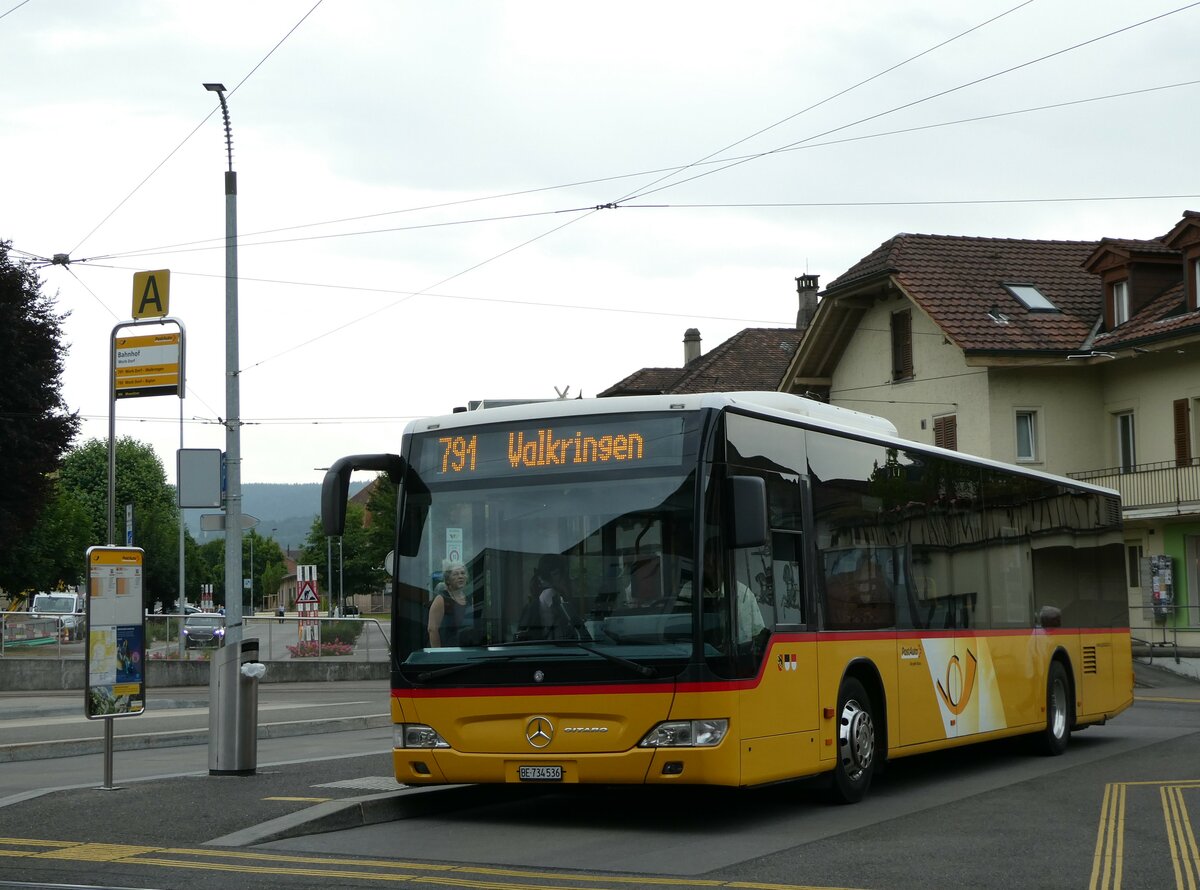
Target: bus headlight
{"points": [[416, 735], [686, 734]]}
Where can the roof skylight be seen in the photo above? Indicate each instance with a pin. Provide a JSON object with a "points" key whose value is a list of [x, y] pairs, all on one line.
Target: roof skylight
{"points": [[1031, 298]]}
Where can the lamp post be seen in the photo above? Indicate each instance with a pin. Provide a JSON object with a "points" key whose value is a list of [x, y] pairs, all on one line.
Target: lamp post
{"points": [[233, 742], [251, 571], [233, 432]]}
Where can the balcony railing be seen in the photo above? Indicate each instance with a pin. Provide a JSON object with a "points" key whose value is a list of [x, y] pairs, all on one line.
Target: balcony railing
{"points": [[1163, 485]]}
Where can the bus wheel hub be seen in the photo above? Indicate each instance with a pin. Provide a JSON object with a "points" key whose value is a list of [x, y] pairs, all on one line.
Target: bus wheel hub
{"points": [[856, 739]]}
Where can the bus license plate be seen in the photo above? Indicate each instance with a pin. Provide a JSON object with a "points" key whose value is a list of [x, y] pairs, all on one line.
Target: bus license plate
{"points": [[539, 773]]}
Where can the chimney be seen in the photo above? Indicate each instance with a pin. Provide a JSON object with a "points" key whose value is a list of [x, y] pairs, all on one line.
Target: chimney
{"points": [[691, 345], [806, 287]]}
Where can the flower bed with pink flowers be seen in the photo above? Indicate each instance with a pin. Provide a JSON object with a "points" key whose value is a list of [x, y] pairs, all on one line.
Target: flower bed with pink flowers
{"points": [[312, 649]]}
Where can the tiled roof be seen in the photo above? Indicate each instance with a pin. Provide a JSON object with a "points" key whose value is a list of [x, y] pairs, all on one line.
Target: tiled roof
{"points": [[645, 382], [752, 359], [959, 280], [1161, 316]]}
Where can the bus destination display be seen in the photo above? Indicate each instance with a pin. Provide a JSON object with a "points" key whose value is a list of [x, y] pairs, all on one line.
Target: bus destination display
{"points": [[548, 448]]}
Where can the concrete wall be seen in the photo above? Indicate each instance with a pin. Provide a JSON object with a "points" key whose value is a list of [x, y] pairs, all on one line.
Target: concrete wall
{"points": [[23, 674]]}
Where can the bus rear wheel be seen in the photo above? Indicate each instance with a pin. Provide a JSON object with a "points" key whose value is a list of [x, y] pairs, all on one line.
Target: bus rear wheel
{"points": [[1057, 734], [855, 743]]}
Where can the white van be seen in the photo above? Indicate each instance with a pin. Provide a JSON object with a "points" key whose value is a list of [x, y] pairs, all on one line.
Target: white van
{"points": [[66, 607]]}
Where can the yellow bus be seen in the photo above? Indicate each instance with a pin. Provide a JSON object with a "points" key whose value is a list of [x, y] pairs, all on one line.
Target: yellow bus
{"points": [[731, 589]]}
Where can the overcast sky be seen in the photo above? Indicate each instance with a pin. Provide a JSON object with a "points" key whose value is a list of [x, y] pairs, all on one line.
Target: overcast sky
{"points": [[417, 181]]}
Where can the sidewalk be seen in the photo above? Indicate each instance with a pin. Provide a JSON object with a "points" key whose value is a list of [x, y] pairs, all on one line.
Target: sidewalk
{"points": [[36, 726], [1164, 678]]}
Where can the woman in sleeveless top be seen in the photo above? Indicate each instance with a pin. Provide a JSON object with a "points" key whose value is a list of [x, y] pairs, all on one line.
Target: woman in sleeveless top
{"points": [[448, 611]]}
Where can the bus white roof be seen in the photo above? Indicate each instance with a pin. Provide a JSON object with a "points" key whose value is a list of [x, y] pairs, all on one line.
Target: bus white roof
{"points": [[778, 403]]}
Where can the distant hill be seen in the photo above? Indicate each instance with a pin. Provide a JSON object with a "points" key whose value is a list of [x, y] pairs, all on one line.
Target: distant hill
{"points": [[284, 512]]}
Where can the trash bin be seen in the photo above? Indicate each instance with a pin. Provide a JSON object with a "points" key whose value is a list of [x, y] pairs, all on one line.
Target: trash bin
{"points": [[233, 710]]}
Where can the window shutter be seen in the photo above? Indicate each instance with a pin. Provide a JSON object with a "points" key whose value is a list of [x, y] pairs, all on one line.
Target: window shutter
{"points": [[945, 431], [902, 359], [1183, 441]]}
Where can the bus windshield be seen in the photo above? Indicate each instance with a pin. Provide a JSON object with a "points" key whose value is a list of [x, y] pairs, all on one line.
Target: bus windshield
{"points": [[601, 557]]}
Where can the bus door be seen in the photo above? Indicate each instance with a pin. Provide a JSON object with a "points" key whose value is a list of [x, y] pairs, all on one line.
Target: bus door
{"points": [[929, 653]]}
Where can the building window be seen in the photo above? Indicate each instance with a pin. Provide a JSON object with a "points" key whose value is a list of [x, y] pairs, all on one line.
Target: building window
{"points": [[1133, 564], [1030, 297], [902, 358], [1120, 302], [1183, 432], [945, 431], [1027, 430], [1195, 284], [1126, 458]]}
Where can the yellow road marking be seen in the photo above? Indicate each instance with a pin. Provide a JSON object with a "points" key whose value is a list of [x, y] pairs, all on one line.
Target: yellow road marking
{"points": [[1182, 701], [1184, 857], [351, 868], [1108, 861]]}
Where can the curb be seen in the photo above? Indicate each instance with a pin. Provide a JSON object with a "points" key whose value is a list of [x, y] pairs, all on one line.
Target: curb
{"points": [[371, 809], [25, 751]]}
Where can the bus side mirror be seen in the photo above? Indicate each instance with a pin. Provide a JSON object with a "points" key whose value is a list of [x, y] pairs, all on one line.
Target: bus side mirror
{"points": [[335, 487], [746, 497]]}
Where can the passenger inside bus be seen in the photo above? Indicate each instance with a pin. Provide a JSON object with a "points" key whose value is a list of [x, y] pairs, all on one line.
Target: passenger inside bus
{"points": [[550, 614], [748, 618], [449, 613]]}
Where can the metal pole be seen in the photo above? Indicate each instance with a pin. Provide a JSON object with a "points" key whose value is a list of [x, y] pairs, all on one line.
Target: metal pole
{"points": [[112, 440], [108, 755], [251, 571], [182, 549], [341, 581], [329, 571], [232, 747]]}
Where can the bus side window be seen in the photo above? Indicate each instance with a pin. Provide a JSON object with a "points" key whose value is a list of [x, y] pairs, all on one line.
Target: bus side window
{"points": [[753, 606], [788, 582]]}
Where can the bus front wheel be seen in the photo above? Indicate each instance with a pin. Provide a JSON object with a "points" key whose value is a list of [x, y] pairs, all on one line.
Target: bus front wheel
{"points": [[1057, 734], [855, 743]]}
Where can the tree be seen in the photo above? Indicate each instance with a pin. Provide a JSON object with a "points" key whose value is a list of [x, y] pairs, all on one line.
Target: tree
{"points": [[142, 482], [35, 426], [51, 555], [356, 565], [381, 518]]}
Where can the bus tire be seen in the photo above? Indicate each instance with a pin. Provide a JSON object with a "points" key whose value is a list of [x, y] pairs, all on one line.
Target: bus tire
{"points": [[1057, 734], [856, 743]]}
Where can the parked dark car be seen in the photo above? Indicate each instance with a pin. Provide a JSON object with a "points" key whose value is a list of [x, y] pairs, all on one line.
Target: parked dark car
{"points": [[203, 629]]}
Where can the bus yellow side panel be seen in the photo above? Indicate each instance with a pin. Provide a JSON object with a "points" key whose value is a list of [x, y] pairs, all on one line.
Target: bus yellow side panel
{"points": [[785, 698], [873, 655], [1104, 676], [779, 715]]}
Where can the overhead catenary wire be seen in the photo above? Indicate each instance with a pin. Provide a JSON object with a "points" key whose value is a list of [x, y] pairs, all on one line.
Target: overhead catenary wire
{"points": [[585, 214], [14, 9], [219, 243], [912, 104], [527, 241], [476, 299], [173, 151], [826, 100]]}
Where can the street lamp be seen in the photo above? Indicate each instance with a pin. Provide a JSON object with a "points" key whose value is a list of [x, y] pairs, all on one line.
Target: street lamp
{"points": [[233, 437], [232, 741]]}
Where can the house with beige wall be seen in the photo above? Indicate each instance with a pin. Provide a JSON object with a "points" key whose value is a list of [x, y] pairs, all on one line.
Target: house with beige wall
{"points": [[1080, 358]]}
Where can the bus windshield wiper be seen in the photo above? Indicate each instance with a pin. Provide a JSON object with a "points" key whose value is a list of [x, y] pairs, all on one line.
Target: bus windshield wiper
{"points": [[426, 676], [642, 670]]}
